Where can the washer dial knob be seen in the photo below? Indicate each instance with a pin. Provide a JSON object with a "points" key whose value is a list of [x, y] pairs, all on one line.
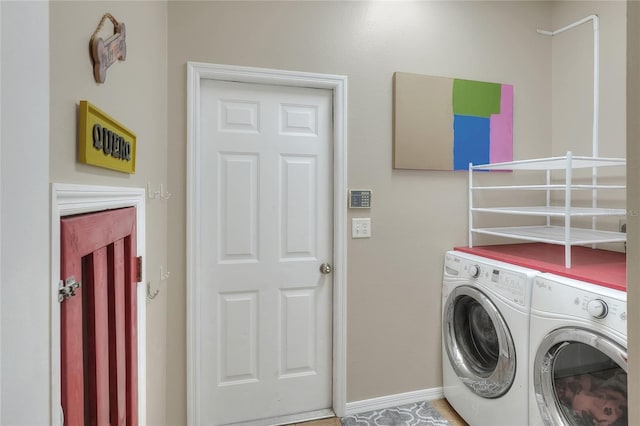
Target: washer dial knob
{"points": [[474, 271], [597, 308]]}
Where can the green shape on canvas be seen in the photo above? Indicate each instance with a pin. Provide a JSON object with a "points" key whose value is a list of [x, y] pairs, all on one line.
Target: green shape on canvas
{"points": [[476, 98]]}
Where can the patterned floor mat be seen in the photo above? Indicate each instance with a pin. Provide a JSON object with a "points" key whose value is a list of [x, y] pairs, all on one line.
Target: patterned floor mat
{"points": [[405, 415]]}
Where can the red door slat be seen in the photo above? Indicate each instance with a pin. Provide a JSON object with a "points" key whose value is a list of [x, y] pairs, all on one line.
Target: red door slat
{"points": [[131, 319], [117, 336], [96, 275]]}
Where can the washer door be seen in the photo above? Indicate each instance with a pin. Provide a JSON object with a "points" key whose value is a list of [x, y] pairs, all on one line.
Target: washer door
{"points": [[580, 378], [478, 342]]}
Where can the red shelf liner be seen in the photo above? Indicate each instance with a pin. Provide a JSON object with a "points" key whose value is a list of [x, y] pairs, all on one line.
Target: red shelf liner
{"points": [[601, 267]]}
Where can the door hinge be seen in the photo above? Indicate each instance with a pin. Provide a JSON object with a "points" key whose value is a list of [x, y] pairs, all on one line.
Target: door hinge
{"points": [[67, 288], [139, 269]]}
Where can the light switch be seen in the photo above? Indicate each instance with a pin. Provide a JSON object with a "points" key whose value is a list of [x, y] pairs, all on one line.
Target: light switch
{"points": [[361, 227]]}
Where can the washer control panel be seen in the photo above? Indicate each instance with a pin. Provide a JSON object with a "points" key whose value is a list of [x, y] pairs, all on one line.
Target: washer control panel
{"points": [[510, 285]]}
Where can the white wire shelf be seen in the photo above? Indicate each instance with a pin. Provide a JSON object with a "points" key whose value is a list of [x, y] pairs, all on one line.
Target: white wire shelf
{"points": [[553, 163], [560, 187], [563, 235], [555, 234], [552, 211]]}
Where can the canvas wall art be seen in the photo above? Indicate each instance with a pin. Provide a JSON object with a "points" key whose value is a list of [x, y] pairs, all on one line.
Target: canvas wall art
{"points": [[445, 123]]}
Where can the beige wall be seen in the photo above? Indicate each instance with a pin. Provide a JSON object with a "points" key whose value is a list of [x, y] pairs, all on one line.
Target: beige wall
{"points": [[394, 277], [25, 297], [394, 302], [135, 94], [633, 202], [572, 78], [572, 107]]}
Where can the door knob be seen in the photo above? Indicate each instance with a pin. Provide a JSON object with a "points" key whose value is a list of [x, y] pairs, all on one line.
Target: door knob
{"points": [[325, 268]]}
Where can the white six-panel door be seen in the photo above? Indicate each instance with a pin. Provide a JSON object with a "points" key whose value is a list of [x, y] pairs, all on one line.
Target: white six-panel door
{"points": [[266, 227]]}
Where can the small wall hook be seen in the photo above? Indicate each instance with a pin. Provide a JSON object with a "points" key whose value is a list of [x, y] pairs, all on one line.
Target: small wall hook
{"points": [[160, 194], [151, 295], [164, 276]]}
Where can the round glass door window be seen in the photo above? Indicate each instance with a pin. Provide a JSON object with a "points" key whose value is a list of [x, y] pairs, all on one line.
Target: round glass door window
{"points": [[580, 378], [476, 336], [478, 343]]}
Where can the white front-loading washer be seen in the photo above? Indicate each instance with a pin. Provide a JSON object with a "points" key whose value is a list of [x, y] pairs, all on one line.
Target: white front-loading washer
{"points": [[485, 334], [578, 350]]}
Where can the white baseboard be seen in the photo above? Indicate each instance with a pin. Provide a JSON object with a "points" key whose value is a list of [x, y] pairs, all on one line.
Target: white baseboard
{"points": [[381, 402]]}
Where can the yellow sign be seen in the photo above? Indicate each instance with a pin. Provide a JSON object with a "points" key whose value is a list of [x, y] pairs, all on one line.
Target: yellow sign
{"points": [[104, 142]]}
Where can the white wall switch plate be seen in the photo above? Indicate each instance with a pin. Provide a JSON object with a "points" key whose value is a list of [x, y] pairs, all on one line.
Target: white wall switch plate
{"points": [[361, 227]]}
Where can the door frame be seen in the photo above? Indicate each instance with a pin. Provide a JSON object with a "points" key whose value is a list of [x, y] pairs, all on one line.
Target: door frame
{"points": [[196, 72], [1, 258], [70, 199]]}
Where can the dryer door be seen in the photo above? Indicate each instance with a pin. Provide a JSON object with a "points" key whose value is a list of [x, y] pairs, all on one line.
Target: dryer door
{"points": [[580, 378], [478, 342]]}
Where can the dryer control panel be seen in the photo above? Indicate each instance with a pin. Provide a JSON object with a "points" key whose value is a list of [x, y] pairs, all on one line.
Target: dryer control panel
{"points": [[581, 300]]}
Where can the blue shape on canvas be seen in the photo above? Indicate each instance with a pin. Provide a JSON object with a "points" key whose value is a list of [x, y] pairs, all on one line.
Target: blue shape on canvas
{"points": [[471, 141]]}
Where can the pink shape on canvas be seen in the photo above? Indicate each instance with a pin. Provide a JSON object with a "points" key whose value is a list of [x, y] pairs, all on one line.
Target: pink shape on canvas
{"points": [[501, 128]]}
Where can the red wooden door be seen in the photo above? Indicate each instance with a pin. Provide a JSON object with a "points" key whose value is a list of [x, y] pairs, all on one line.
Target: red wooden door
{"points": [[98, 324]]}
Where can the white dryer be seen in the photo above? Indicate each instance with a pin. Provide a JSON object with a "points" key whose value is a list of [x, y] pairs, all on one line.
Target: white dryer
{"points": [[578, 344], [485, 323]]}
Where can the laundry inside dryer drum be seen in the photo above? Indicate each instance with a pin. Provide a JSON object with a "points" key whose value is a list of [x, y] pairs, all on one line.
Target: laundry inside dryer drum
{"points": [[589, 386]]}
